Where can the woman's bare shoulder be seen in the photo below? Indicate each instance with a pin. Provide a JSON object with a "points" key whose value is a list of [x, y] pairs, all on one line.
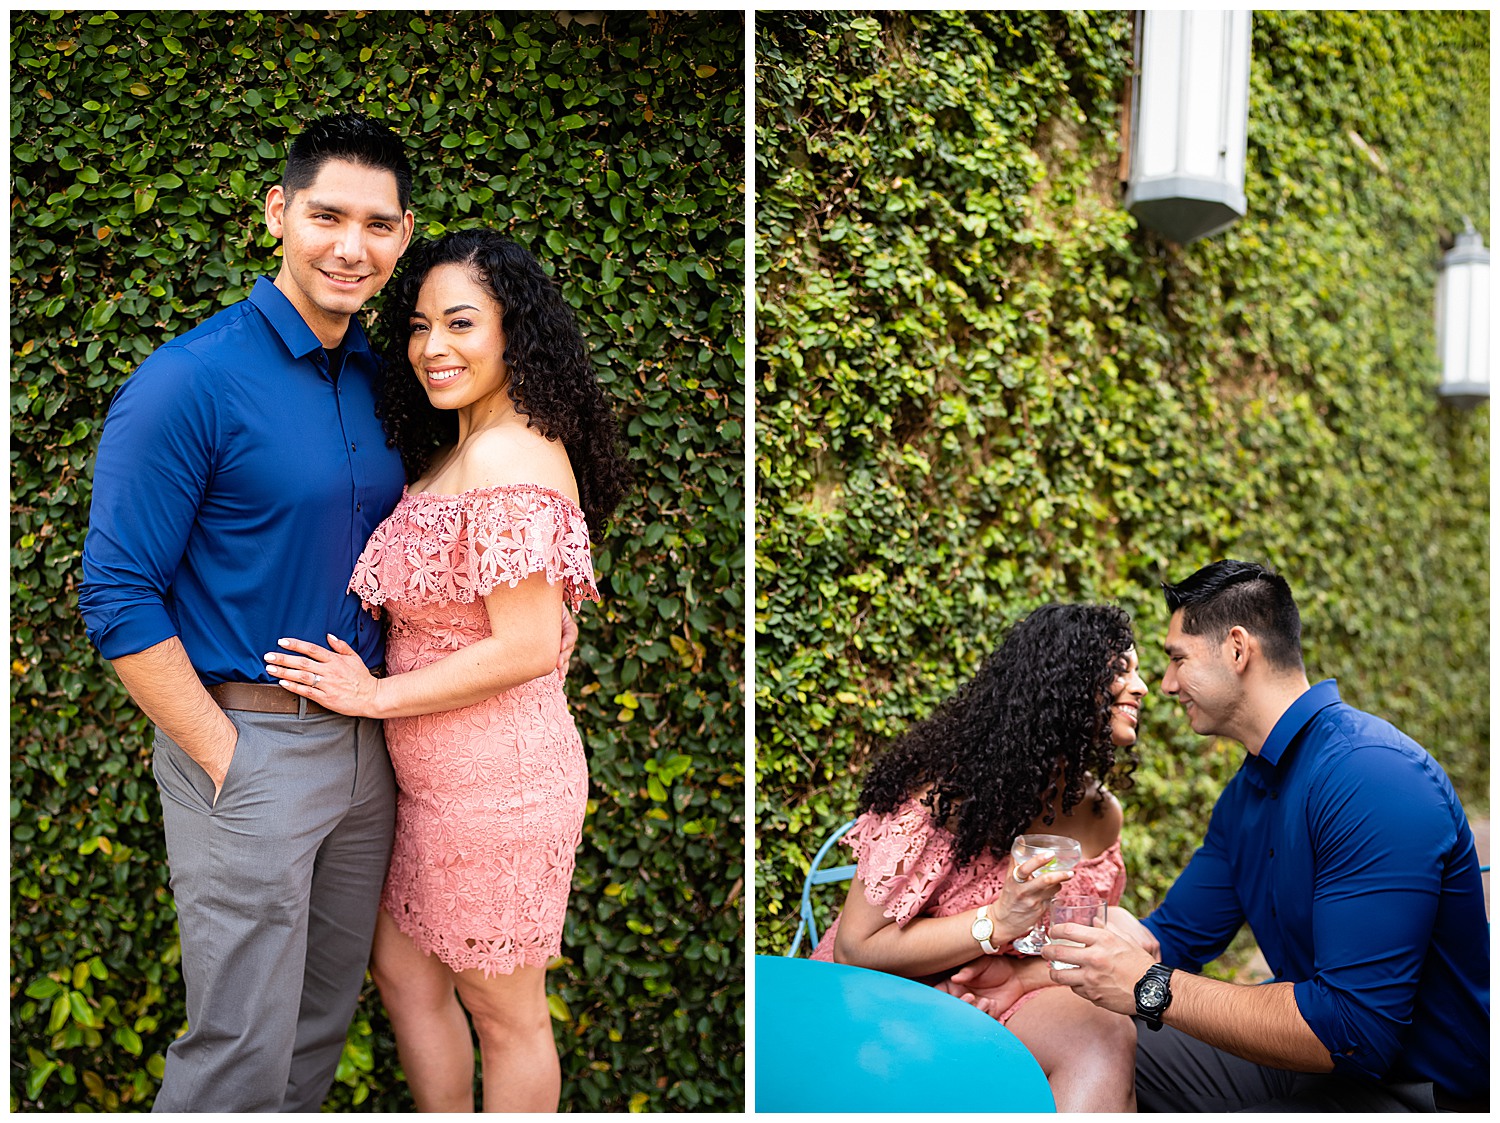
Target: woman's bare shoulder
{"points": [[1111, 815], [513, 454], [1095, 820]]}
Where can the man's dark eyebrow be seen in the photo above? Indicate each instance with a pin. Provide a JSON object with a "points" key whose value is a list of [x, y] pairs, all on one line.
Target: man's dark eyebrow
{"points": [[329, 208]]}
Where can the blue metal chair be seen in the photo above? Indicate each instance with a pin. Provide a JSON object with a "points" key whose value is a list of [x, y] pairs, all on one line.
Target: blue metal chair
{"points": [[807, 924]]}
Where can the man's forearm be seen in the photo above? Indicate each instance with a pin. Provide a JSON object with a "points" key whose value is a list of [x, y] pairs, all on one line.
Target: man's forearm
{"points": [[162, 682], [1259, 1023]]}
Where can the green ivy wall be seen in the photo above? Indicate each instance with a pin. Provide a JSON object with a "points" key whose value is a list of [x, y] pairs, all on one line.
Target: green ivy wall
{"points": [[981, 386], [142, 145]]}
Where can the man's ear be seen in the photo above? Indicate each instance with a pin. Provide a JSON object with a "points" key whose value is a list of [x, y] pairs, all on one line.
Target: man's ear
{"points": [[276, 211], [1242, 648]]}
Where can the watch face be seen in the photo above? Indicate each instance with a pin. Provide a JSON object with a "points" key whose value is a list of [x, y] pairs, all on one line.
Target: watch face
{"points": [[982, 928], [1152, 993]]}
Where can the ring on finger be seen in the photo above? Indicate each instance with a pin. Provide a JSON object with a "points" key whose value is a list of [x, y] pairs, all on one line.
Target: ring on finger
{"points": [[317, 679], [1016, 873]]}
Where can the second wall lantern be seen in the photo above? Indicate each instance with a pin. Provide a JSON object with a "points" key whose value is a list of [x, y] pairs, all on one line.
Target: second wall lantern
{"points": [[1463, 320]]}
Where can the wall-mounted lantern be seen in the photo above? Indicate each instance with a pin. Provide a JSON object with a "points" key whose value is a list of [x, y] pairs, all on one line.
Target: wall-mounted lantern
{"points": [[1189, 112], [1463, 320]]}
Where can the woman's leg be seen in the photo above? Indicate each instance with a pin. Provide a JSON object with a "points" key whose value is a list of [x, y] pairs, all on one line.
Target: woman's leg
{"points": [[432, 1035], [520, 1066], [1087, 1053]]}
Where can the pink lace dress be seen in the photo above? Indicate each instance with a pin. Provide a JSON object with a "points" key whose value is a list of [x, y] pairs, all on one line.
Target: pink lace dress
{"points": [[906, 863], [491, 796]]}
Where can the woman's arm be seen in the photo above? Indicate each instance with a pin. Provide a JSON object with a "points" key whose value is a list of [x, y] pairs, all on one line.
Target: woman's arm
{"points": [[867, 937], [526, 630]]}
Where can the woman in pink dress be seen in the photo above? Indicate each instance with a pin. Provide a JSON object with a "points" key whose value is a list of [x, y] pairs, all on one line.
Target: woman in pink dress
{"points": [[512, 453], [1025, 747]]}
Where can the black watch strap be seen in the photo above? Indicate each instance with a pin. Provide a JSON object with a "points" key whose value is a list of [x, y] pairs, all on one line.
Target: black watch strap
{"points": [[1153, 994]]}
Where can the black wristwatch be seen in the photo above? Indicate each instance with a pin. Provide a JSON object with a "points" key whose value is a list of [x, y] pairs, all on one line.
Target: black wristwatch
{"points": [[1153, 994]]}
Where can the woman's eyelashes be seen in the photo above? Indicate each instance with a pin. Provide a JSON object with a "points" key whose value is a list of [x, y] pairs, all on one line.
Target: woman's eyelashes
{"points": [[453, 325]]}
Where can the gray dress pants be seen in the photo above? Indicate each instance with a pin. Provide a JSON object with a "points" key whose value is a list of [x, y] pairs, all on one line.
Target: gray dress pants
{"points": [[277, 885], [1175, 1072]]}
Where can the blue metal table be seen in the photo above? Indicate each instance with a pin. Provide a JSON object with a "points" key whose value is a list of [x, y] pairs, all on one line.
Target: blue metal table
{"points": [[843, 1039]]}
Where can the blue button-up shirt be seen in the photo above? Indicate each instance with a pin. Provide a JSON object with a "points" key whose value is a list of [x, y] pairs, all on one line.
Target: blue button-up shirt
{"points": [[237, 481], [1345, 847]]}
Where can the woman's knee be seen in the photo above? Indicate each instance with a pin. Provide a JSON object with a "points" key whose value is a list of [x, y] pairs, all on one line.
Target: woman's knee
{"points": [[1111, 1031], [1054, 1023], [506, 1023], [507, 1012], [410, 981]]}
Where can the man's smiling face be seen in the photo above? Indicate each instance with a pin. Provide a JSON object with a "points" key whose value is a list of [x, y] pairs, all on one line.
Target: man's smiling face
{"points": [[1199, 676], [341, 237]]}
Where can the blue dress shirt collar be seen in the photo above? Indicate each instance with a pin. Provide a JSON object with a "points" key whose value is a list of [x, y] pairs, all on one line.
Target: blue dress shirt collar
{"points": [[1298, 714], [288, 323]]}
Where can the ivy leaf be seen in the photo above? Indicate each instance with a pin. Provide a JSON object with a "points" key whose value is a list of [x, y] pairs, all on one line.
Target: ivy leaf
{"points": [[36, 1078], [43, 988]]}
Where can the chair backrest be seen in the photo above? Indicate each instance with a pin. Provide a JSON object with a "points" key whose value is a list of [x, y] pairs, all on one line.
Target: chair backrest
{"points": [[807, 924]]}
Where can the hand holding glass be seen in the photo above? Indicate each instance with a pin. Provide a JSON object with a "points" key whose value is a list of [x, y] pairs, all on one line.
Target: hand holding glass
{"points": [[1065, 854], [1090, 911]]}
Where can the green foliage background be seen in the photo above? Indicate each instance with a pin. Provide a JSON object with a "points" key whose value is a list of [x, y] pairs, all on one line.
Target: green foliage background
{"points": [[982, 387], [142, 145]]}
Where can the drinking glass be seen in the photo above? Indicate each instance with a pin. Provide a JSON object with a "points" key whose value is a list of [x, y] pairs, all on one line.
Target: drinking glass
{"points": [[1065, 854], [1091, 911]]}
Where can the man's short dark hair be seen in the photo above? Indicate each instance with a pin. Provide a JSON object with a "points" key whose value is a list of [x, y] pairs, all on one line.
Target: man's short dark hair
{"points": [[346, 136], [1225, 593]]}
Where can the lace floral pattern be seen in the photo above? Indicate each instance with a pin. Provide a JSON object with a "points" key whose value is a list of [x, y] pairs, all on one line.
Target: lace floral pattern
{"points": [[458, 548], [491, 801], [906, 863]]}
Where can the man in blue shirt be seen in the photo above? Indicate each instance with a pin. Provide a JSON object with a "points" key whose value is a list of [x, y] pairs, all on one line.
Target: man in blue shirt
{"points": [[240, 472], [1343, 845]]}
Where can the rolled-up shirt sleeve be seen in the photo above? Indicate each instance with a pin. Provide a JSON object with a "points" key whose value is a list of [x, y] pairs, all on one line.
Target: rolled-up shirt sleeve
{"points": [[1381, 840], [155, 459], [1201, 912]]}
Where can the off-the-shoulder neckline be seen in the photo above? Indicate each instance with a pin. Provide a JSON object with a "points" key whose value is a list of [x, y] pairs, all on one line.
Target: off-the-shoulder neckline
{"points": [[407, 493], [916, 801]]}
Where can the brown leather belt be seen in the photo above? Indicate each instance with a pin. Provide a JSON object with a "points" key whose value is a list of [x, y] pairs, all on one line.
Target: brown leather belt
{"points": [[263, 698]]}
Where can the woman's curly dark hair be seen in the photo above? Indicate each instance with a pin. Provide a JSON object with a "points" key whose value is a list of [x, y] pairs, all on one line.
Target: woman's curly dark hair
{"points": [[1037, 714], [552, 382]]}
